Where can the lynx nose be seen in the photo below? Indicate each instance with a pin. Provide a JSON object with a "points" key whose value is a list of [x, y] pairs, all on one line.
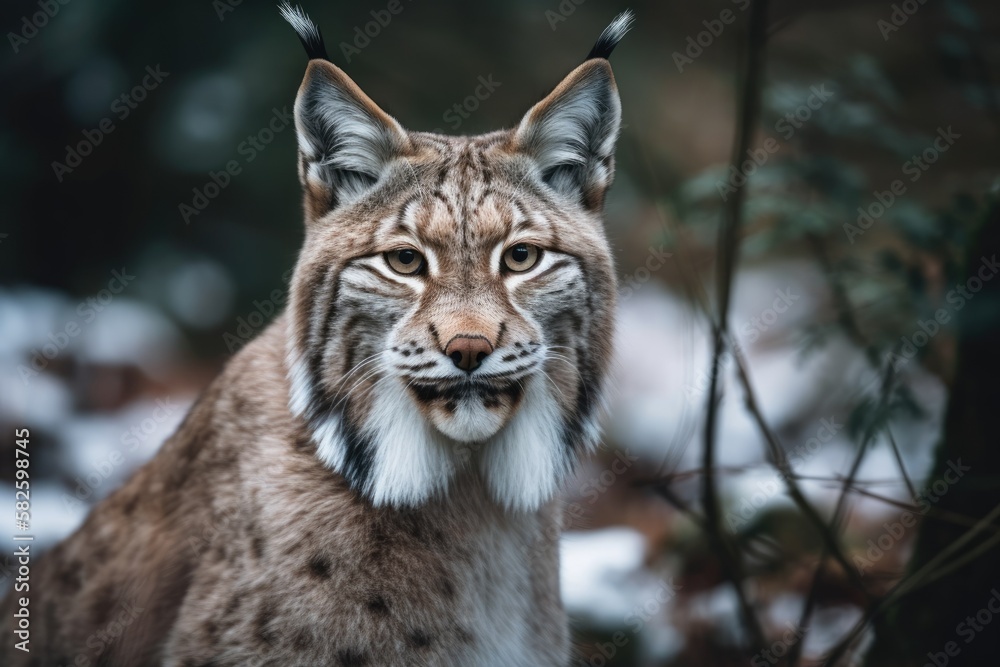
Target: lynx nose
{"points": [[467, 352]]}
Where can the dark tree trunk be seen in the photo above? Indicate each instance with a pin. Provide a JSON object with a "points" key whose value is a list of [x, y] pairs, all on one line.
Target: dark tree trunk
{"points": [[920, 628]]}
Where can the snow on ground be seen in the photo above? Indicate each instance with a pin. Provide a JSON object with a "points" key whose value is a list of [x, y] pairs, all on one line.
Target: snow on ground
{"points": [[663, 365], [661, 370], [605, 584], [88, 454]]}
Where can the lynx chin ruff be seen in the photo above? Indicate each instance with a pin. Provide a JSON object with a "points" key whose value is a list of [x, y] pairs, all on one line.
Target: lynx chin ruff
{"points": [[372, 481]]}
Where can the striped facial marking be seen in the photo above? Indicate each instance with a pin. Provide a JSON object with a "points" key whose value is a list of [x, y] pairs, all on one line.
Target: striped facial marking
{"points": [[452, 305]]}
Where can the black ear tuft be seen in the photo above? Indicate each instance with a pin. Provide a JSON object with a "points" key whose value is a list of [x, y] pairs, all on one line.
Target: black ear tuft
{"points": [[307, 31], [613, 34]]}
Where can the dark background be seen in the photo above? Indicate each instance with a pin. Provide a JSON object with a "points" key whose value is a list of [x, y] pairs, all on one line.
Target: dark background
{"points": [[202, 286]]}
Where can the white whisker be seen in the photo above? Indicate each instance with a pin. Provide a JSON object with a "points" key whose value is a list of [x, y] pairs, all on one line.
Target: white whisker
{"points": [[350, 391]]}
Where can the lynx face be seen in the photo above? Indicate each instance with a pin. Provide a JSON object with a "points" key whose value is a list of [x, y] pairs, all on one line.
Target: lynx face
{"points": [[452, 305]]}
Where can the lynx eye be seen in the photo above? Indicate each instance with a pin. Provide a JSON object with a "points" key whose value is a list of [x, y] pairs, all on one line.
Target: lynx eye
{"points": [[521, 257], [406, 261]]}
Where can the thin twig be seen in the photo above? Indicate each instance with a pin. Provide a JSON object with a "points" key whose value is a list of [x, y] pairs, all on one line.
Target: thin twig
{"points": [[946, 516], [899, 462], [849, 323], [833, 531], [777, 458], [728, 245], [916, 580], [841, 301], [885, 395]]}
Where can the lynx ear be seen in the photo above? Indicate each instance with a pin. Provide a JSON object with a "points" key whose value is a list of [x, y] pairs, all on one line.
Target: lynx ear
{"points": [[345, 140], [571, 133]]}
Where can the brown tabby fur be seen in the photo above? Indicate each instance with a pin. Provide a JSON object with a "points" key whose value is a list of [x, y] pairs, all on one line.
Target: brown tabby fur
{"points": [[242, 543]]}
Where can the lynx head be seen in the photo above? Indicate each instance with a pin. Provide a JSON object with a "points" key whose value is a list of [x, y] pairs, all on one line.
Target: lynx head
{"points": [[452, 306]]}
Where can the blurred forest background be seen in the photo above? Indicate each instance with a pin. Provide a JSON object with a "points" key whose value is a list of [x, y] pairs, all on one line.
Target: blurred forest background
{"points": [[151, 212]]}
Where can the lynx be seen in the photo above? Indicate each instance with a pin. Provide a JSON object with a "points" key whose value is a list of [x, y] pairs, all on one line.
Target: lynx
{"points": [[373, 480]]}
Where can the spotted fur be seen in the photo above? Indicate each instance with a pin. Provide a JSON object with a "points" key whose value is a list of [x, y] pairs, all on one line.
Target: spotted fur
{"points": [[346, 492]]}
